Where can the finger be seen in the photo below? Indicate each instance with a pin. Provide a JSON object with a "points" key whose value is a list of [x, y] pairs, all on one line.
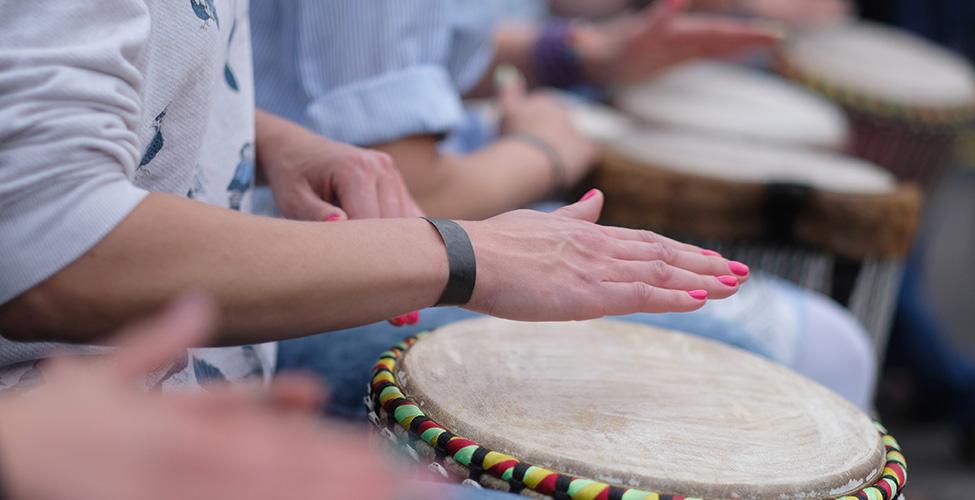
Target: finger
{"points": [[626, 234], [633, 297], [659, 14], [297, 393], [157, 342], [713, 31], [305, 204], [703, 262], [409, 206], [511, 87], [660, 274], [587, 208], [359, 196], [388, 196]]}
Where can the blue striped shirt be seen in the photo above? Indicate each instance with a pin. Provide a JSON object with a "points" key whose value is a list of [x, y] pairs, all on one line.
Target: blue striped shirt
{"points": [[370, 71]]}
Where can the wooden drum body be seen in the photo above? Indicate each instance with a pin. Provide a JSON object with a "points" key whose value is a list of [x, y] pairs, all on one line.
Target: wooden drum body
{"points": [[607, 410], [909, 100], [825, 221], [728, 100]]}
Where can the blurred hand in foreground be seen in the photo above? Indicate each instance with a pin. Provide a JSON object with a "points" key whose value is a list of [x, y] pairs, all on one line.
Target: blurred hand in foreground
{"points": [[92, 432]]}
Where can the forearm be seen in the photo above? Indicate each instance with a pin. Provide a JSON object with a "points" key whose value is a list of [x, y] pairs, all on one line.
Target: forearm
{"points": [[273, 279], [504, 176]]}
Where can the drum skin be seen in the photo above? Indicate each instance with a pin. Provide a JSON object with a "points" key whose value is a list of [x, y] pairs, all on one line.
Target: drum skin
{"points": [[908, 100], [729, 100], [649, 187], [641, 407]]}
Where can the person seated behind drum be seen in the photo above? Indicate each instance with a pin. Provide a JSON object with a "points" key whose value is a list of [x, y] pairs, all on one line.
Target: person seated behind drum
{"points": [[404, 99], [410, 89], [124, 144]]}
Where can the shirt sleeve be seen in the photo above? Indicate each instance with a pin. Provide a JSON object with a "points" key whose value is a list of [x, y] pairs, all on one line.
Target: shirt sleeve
{"points": [[373, 72], [69, 109]]}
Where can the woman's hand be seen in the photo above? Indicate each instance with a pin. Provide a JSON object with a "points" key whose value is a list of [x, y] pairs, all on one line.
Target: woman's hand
{"points": [[634, 47], [542, 115], [312, 177], [561, 266], [803, 13], [90, 432]]}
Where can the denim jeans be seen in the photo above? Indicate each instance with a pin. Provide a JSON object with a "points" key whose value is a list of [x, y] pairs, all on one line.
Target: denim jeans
{"points": [[344, 359]]}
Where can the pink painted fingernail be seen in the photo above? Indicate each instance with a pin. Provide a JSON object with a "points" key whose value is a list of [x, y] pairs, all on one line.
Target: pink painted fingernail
{"points": [[413, 318], [398, 321], [698, 294], [710, 253], [738, 268], [589, 195], [333, 218], [728, 280]]}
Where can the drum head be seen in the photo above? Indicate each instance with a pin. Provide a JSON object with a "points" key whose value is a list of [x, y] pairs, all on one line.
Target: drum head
{"points": [[643, 408], [735, 161], [726, 99], [883, 64]]}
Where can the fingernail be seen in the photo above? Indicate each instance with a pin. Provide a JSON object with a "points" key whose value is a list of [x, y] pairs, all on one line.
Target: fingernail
{"points": [[413, 318], [728, 280], [398, 321], [589, 195], [698, 294], [738, 268], [333, 218], [710, 253]]}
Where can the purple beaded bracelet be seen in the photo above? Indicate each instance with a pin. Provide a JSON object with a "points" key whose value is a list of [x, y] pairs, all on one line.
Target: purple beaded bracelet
{"points": [[557, 64]]}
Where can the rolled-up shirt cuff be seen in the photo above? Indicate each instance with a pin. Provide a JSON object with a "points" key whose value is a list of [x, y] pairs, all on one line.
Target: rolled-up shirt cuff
{"points": [[416, 101]]}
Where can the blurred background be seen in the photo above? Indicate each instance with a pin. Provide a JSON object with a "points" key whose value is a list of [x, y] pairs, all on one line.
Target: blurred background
{"points": [[888, 82]]}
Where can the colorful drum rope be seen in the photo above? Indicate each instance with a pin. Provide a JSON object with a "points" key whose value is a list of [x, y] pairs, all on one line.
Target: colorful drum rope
{"points": [[385, 394]]}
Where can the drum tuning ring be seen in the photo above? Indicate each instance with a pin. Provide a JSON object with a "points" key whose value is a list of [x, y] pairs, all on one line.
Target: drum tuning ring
{"points": [[438, 469], [368, 402], [472, 483], [375, 420], [411, 452], [388, 434]]}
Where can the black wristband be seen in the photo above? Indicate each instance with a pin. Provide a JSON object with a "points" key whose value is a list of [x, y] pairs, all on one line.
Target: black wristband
{"points": [[460, 261], [555, 161]]}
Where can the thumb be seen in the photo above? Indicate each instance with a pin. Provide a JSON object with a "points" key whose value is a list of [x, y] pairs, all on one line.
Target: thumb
{"points": [[511, 87], [307, 205], [587, 208], [157, 342]]}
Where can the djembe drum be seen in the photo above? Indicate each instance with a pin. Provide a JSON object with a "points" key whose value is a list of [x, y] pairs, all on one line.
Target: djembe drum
{"points": [[730, 100], [828, 222], [908, 100], [603, 410]]}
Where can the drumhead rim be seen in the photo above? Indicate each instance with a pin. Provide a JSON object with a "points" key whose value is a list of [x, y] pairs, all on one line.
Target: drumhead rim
{"points": [[823, 123], [936, 116], [387, 395]]}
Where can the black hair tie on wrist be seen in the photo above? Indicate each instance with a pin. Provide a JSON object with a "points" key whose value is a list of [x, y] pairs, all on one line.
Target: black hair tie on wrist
{"points": [[460, 261], [559, 177]]}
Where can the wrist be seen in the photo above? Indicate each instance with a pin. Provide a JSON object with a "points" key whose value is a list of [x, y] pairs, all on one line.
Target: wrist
{"points": [[553, 159], [461, 263], [556, 59]]}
